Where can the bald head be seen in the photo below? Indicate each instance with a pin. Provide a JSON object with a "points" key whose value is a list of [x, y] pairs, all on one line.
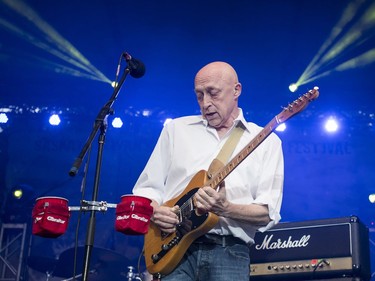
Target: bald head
{"points": [[218, 69]]}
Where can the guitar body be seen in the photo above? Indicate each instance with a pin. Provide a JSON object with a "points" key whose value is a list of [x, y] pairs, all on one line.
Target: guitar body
{"points": [[163, 253]]}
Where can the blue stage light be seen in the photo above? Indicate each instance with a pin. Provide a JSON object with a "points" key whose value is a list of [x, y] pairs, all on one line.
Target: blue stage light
{"points": [[3, 118], [331, 125], [54, 120], [117, 122], [281, 127]]}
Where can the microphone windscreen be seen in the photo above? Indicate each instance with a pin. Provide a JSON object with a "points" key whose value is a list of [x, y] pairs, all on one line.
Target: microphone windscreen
{"points": [[137, 68]]}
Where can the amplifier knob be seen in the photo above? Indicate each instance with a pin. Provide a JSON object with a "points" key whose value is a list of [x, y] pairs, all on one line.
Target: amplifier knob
{"points": [[287, 266], [275, 267], [294, 266], [300, 266], [281, 267]]}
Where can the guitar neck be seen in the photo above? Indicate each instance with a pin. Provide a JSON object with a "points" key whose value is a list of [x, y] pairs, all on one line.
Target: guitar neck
{"points": [[222, 173]]}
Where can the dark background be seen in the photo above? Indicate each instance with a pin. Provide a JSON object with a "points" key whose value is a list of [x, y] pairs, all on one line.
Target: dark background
{"points": [[270, 43]]}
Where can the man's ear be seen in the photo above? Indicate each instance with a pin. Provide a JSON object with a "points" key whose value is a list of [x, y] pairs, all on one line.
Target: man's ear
{"points": [[237, 90]]}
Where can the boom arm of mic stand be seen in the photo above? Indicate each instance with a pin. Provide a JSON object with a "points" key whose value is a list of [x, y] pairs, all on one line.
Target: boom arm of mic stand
{"points": [[104, 112]]}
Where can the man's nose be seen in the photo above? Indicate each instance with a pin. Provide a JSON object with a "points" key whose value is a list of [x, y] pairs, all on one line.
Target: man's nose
{"points": [[206, 101]]}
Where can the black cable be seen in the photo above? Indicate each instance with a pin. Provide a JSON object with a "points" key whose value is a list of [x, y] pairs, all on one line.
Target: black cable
{"points": [[316, 267], [139, 263], [83, 188]]}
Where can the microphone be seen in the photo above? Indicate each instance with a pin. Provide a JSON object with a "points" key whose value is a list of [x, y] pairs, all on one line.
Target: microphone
{"points": [[136, 67]]}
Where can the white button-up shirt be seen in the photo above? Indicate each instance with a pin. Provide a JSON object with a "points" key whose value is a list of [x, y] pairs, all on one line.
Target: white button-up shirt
{"points": [[187, 145]]}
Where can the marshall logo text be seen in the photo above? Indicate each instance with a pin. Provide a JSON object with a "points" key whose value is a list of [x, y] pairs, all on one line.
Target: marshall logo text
{"points": [[268, 244]]}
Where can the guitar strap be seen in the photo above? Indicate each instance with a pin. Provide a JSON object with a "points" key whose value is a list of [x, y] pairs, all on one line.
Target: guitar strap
{"points": [[227, 149]]}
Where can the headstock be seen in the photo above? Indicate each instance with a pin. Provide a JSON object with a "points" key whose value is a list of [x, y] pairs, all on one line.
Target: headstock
{"points": [[297, 105]]}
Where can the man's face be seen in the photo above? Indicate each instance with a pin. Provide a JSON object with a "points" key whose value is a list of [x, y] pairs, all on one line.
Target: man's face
{"points": [[217, 99]]}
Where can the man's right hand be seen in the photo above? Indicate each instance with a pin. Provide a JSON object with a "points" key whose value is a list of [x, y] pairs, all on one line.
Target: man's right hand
{"points": [[165, 217]]}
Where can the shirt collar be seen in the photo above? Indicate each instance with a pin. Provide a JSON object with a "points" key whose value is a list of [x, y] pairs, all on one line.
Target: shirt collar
{"points": [[240, 118]]}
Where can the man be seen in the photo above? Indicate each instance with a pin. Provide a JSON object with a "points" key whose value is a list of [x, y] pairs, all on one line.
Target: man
{"points": [[249, 200]]}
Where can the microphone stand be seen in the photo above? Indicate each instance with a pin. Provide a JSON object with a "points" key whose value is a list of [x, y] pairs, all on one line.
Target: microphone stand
{"points": [[100, 123]]}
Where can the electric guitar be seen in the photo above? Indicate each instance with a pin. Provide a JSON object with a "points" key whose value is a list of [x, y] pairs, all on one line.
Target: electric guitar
{"points": [[164, 251]]}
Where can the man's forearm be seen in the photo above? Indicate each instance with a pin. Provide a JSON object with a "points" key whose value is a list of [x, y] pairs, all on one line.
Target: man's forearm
{"points": [[252, 213]]}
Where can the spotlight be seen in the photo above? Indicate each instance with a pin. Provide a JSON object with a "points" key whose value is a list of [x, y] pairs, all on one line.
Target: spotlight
{"points": [[54, 120], [146, 112], [17, 193], [293, 87], [331, 125], [281, 127], [3, 118], [117, 122], [371, 198], [19, 203]]}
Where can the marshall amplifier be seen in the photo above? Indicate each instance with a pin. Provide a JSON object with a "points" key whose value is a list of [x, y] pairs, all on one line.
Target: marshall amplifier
{"points": [[317, 249]]}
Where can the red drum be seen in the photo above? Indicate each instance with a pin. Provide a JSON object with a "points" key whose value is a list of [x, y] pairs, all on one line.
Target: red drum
{"points": [[50, 216], [133, 215]]}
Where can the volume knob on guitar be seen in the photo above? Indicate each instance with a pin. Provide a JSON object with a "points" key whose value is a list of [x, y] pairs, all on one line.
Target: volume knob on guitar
{"points": [[155, 257]]}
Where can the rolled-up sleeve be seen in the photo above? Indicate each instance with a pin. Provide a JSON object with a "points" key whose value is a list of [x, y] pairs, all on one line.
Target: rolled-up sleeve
{"points": [[270, 190]]}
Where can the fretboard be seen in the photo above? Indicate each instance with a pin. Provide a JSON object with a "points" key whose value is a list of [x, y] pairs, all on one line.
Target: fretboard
{"points": [[222, 173]]}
